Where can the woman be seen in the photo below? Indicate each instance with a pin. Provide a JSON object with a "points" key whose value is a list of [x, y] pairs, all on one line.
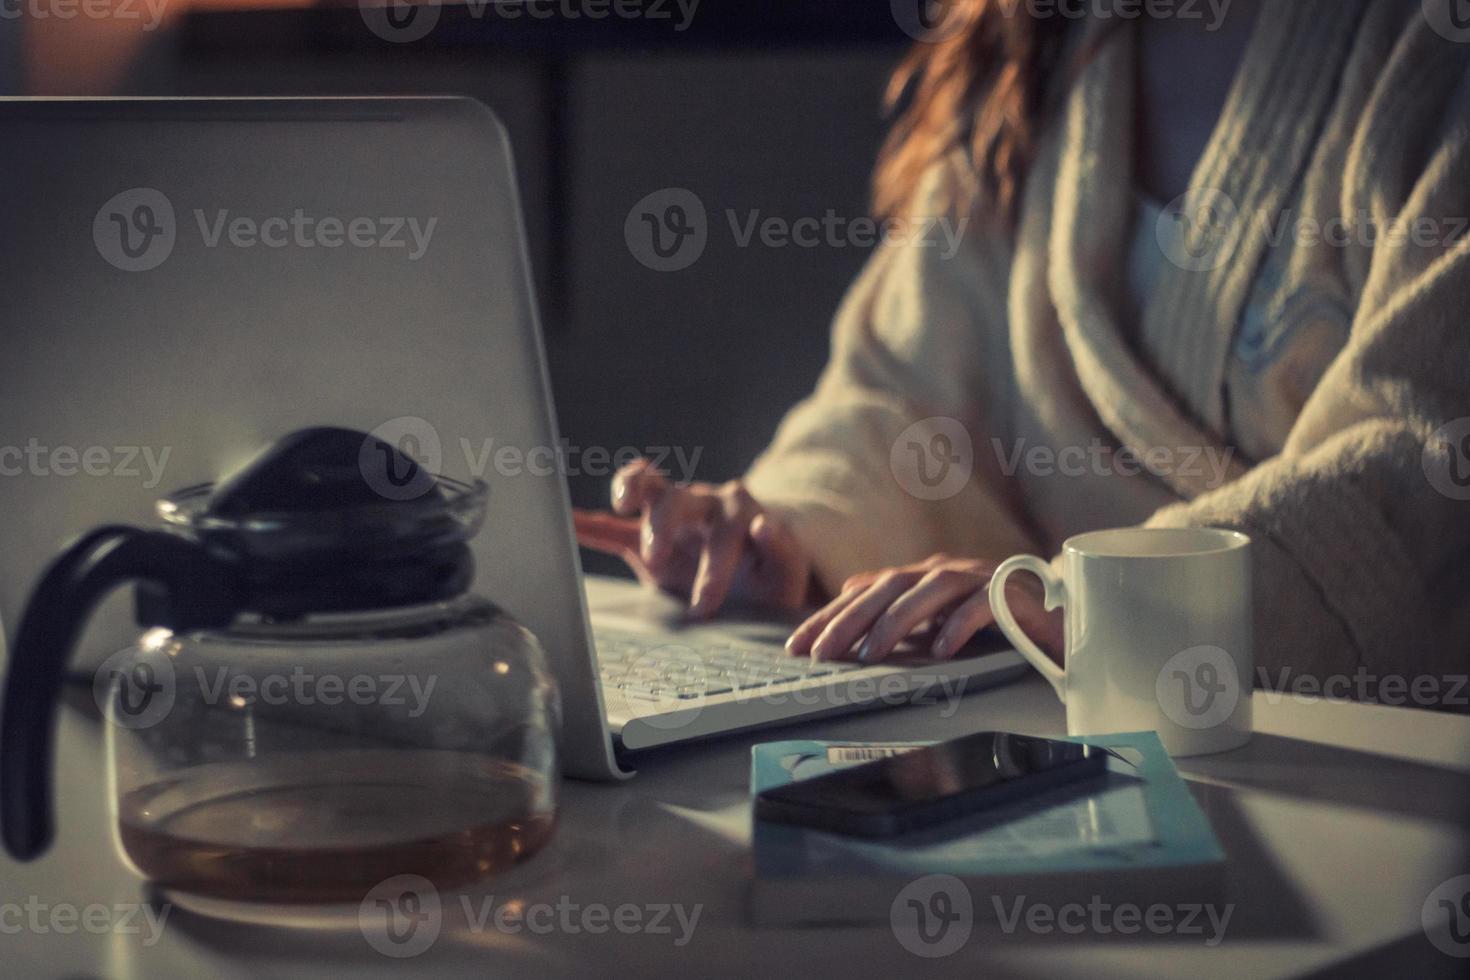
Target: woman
{"points": [[1278, 351]]}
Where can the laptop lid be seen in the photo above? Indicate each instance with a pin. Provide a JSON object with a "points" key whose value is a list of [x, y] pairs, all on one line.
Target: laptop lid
{"points": [[189, 279]]}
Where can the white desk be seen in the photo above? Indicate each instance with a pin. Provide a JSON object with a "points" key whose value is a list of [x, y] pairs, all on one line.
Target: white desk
{"points": [[1338, 819]]}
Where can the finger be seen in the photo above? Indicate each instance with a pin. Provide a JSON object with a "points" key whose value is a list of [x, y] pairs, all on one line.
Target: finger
{"points": [[864, 579], [637, 486], [799, 644], [780, 562], [853, 622], [678, 514], [938, 590], [720, 558], [605, 532], [967, 619], [635, 562]]}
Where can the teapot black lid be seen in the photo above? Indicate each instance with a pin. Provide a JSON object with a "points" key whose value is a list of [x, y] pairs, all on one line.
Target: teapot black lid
{"points": [[332, 519]]}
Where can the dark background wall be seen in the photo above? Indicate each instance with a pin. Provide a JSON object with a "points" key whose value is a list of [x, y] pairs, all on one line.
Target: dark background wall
{"points": [[769, 106]]}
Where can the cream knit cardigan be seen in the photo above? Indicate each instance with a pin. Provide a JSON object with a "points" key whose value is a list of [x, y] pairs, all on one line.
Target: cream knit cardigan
{"points": [[1316, 367]]}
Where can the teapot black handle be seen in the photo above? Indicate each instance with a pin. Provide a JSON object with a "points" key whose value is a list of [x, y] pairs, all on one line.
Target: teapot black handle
{"points": [[183, 587]]}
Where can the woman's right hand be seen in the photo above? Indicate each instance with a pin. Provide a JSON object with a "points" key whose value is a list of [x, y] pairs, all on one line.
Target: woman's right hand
{"points": [[703, 541]]}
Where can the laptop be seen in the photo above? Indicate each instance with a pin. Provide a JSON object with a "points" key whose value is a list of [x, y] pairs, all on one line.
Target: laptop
{"points": [[188, 280]]}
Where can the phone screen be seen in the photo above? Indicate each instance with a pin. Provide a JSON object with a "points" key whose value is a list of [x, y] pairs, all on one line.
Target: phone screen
{"points": [[933, 783]]}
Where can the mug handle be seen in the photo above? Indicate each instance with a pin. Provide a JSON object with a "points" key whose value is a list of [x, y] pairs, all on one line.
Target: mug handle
{"points": [[1056, 596]]}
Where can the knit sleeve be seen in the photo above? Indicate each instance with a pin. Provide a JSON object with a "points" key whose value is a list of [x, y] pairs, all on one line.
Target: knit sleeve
{"points": [[1362, 523], [877, 467]]}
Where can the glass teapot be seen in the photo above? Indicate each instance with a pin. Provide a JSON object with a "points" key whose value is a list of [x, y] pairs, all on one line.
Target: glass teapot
{"points": [[317, 702]]}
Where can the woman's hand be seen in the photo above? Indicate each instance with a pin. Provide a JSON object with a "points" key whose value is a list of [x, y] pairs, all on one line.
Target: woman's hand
{"points": [[942, 594], [702, 541]]}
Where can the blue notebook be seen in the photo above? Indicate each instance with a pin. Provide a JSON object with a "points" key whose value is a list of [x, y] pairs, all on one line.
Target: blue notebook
{"points": [[1138, 836]]}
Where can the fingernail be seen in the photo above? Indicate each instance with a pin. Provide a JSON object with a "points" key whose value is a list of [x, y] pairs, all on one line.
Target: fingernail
{"points": [[865, 651], [941, 646]]}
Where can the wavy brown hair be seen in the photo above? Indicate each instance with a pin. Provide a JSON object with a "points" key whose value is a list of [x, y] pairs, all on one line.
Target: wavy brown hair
{"points": [[978, 82]]}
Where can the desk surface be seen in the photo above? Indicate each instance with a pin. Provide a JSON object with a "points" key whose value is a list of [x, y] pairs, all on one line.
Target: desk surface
{"points": [[1339, 820]]}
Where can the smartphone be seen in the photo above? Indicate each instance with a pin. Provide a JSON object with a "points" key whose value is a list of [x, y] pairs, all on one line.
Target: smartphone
{"points": [[930, 785]]}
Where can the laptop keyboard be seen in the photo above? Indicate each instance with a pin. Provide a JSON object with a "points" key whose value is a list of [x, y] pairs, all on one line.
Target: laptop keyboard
{"points": [[641, 667]]}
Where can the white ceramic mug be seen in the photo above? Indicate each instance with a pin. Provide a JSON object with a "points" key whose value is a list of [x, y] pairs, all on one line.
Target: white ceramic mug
{"points": [[1158, 634]]}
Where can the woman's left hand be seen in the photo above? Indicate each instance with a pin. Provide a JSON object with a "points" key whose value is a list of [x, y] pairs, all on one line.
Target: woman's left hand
{"points": [[883, 608]]}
